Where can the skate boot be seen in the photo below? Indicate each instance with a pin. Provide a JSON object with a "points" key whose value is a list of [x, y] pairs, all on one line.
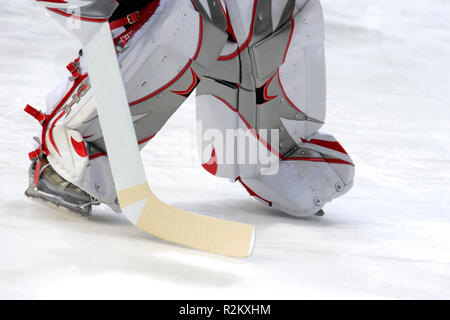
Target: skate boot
{"points": [[47, 185]]}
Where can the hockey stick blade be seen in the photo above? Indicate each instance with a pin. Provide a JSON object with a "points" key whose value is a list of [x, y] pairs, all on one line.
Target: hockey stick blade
{"points": [[137, 201]]}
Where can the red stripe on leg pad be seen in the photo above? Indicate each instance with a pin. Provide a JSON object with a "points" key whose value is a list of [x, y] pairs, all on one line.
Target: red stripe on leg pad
{"points": [[253, 193], [211, 166], [79, 147], [333, 145]]}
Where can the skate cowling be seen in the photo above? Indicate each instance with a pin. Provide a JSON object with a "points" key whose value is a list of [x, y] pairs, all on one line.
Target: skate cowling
{"points": [[87, 21], [47, 186]]}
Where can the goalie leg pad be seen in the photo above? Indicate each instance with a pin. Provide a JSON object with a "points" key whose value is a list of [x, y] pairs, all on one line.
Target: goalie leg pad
{"points": [[69, 107], [275, 79], [316, 172], [176, 43], [68, 154]]}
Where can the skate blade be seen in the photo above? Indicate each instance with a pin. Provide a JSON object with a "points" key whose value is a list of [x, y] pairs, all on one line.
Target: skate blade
{"points": [[58, 203]]}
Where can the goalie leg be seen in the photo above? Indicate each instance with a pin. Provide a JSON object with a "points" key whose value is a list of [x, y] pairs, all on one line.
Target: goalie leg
{"points": [[170, 40], [271, 76]]}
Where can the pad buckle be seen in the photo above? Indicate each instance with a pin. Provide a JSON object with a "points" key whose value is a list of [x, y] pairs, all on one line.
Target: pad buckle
{"points": [[133, 17], [74, 69], [36, 154], [38, 115]]}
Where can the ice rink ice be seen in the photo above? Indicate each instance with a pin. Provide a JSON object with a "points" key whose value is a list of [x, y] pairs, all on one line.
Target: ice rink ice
{"points": [[388, 68]]}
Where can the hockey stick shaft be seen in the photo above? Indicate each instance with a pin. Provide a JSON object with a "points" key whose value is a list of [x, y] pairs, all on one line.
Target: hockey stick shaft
{"points": [[137, 201]]}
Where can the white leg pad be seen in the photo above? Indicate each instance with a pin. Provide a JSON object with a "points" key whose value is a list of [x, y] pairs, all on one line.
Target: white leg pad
{"points": [[301, 188]]}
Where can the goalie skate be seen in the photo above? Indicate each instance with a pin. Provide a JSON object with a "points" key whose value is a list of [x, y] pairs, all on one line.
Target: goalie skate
{"points": [[47, 186]]}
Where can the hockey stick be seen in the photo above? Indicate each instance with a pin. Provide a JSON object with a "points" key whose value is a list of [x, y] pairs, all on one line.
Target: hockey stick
{"points": [[137, 201]]}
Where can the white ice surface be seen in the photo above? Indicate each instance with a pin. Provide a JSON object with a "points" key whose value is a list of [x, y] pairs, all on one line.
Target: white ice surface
{"points": [[388, 79]]}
